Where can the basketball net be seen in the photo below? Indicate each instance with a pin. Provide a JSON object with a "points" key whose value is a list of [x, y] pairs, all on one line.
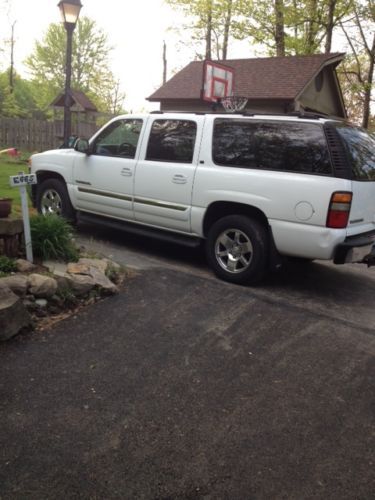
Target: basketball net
{"points": [[232, 103]]}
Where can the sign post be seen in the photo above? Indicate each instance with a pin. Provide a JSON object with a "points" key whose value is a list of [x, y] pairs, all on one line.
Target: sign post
{"points": [[21, 181]]}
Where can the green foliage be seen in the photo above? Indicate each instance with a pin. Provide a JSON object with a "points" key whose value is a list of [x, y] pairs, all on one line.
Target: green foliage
{"points": [[67, 296], [90, 65], [306, 23], [204, 15], [7, 265], [20, 103], [52, 238]]}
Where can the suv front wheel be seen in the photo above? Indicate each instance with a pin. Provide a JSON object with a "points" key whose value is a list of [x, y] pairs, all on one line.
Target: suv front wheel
{"points": [[53, 198], [237, 249]]}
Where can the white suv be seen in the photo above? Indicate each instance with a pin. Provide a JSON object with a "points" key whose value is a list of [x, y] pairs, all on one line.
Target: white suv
{"points": [[254, 187]]}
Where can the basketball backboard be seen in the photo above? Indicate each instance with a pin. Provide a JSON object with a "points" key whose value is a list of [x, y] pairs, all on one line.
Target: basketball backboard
{"points": [[218, 81]]}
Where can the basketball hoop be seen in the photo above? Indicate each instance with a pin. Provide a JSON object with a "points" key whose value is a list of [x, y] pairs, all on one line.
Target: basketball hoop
{"points": [[232, 103]]}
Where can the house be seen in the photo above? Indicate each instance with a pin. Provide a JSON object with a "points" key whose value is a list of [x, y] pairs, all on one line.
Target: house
{"points": [[271, 85]]}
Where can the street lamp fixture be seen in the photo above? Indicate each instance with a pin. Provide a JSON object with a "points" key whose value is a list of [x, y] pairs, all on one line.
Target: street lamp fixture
{"points": [[70, 10]]}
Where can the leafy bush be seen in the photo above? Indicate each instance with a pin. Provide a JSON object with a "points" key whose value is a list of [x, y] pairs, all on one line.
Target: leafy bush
{"points": [[7, 265], [52, 238]]}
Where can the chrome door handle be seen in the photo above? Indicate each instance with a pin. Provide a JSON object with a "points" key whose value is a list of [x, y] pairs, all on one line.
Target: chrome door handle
{"points": [[179, 179], [126, 172]]}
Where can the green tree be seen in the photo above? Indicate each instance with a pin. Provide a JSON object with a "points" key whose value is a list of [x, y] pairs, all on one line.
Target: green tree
{"points": [[90, 64], [209, 25], [17, 101], [357, 74], [290, 27]]}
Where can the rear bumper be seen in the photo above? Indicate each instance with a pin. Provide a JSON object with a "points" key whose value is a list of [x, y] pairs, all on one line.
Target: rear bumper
{"points": [[356, 249]]}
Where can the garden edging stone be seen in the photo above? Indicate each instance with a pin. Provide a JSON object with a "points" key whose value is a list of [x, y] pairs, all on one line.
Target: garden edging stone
{"points": [[13, 314]]}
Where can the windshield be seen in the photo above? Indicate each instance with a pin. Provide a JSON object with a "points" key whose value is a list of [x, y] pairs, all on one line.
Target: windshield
{"points": [[360, 146]]}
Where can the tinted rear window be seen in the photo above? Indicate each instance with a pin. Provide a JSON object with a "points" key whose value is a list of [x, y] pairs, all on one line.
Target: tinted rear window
{"points": [[292, 147], [360, 147]]}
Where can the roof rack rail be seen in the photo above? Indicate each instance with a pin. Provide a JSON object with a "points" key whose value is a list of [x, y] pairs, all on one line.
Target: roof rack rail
{"points": [[307, 114], [298, 114]]}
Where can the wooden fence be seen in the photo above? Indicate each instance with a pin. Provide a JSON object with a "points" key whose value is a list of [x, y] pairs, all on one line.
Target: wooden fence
{"points": [[38, 135]]}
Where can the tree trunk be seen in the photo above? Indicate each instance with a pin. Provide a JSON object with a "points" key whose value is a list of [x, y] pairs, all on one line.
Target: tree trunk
{"points": [[311, 28], [329, 29], [228, 20], [209, 31], [368, 88], [11, 70], [164, 63], [279, 28]]}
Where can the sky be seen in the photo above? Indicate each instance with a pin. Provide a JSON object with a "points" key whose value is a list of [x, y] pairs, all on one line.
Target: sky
{"points": [[135, 29]]}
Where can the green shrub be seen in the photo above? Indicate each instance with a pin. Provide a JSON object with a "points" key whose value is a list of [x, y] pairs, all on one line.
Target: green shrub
{"points": [[52, 238], [7, 265]]}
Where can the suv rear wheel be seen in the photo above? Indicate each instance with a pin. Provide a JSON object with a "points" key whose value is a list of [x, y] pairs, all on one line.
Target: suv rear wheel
{"points": [[237, 249], [53, 198]]}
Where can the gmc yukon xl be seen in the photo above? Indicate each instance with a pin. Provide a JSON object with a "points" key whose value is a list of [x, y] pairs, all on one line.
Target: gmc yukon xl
{"points": [[254, 188]]}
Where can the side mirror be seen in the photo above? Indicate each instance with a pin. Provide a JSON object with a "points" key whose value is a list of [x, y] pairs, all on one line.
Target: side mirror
{"points": [[82, 145]]}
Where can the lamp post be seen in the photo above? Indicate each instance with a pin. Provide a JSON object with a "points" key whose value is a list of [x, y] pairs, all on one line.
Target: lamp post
{"points": [[70, 10]]}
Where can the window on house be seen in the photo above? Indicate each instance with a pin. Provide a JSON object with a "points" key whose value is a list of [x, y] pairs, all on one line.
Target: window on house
{"points": [[172, 141]]}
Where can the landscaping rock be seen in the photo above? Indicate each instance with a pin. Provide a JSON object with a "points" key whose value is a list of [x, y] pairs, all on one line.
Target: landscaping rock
{"points": [[78, 268], [100, 264], [95, 269], [17, 283], [111, 264], [55, 267], [61, 280], [24, 266], [41, 303], [102, 281], [13, 314], [42, 286], [79, 283]]}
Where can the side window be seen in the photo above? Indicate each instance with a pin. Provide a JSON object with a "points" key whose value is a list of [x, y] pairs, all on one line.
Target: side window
{"points": [[172, 141], [120, 139], [291, 147]]}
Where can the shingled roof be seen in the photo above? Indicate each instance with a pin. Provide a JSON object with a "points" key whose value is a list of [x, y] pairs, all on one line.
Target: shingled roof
{"points": [[79, 98], [260, 78]]}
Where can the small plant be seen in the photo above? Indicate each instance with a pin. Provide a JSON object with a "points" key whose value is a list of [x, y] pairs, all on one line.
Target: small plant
{"points": [[7, 265], [67, 296], [52, 238]]}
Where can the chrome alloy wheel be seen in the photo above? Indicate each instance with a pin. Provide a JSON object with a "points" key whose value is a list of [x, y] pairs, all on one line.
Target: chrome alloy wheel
{"points": [[51, 203], [234, 251]]}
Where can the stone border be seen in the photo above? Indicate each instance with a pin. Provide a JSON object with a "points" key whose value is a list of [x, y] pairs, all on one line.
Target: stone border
{"points": [[36, 292]]}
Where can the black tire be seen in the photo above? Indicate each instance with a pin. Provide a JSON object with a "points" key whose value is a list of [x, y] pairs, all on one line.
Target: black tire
{"points": [[246, 262], [52, 198]]}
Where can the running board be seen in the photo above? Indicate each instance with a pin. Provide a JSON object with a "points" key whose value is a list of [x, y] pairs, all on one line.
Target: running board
{"points": [[130, 227]]}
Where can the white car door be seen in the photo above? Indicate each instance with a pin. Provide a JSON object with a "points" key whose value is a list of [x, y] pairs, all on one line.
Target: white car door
{"points": [[165, 172], [103, 179]]}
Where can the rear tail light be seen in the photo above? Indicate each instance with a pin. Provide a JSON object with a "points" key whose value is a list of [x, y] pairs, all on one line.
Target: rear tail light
{"points": [[339, 209]]}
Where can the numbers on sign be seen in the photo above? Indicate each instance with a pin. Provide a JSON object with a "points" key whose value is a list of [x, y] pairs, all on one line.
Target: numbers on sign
{"points": [[23, 179]]}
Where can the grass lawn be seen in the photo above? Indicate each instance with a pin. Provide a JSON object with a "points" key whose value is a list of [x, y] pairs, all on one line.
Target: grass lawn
{"points": [[10, 167]]}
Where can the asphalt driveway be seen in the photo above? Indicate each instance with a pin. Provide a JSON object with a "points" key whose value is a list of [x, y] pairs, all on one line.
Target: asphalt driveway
{"points": [[186, 387]]}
